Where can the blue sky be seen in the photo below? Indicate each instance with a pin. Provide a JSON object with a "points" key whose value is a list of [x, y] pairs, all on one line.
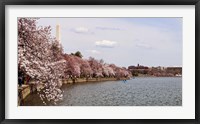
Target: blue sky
{"points": [[122, 41]]}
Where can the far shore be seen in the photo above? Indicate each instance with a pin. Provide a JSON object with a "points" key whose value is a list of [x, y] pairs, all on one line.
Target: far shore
{"points": [[82, 80], [143, 76]]}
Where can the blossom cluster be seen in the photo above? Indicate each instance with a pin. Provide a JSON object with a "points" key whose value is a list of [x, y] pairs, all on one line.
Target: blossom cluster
{"points": [[79, 67]]}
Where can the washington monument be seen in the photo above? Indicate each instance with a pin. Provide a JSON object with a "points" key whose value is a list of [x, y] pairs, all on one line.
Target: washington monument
{"points": [[58, 33]]}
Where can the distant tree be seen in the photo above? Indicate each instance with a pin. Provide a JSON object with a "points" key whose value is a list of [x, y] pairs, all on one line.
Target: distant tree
{"points": [[101, 61], [134, 73], [78, 54]]}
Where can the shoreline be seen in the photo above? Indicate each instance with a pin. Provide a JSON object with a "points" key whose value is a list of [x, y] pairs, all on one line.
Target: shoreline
{"points": [[93, 80], [84, 80]]}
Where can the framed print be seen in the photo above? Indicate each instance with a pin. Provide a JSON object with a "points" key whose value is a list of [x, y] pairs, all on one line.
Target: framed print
{"points": [[118, 62]]}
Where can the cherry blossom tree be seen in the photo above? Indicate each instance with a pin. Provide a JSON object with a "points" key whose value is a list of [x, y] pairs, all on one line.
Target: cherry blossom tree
{"points": [[120, 72], [77, 66], [73, 66], [36, 58], [86, 69], [108, 71], [96, 67]]}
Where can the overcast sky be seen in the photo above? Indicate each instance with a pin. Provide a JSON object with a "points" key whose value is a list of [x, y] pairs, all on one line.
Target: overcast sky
{"points": [[122, 41]]}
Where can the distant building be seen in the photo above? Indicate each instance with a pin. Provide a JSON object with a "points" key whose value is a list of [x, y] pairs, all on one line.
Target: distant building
{"points": [[139, 69], [156, 71]]}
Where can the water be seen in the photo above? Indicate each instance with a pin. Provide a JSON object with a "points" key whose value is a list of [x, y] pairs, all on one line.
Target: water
{"points": [[147, 91]]}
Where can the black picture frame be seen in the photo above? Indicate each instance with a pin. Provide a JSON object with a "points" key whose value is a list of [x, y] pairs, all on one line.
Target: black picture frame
{"points": [[100, 2]]}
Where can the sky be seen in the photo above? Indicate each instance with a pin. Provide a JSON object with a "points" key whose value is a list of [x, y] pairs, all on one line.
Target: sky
{"points": [[122, 41]]}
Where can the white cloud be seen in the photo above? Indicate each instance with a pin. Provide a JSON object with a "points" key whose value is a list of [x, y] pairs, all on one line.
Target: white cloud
{"points": [[93, 51], [106, 43], [81, 30]]}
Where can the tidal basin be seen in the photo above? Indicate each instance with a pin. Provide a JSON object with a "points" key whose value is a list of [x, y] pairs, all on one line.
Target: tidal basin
{"points": [[139, 91]]}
